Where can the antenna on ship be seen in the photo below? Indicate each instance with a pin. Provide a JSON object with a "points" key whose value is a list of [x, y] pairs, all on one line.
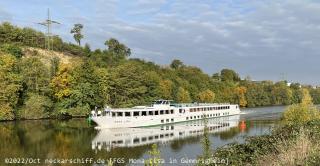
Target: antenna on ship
{"points": [[48, 23]]}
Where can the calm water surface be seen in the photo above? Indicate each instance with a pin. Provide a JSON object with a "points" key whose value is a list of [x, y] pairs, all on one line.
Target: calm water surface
{"points": [[76, 139]]}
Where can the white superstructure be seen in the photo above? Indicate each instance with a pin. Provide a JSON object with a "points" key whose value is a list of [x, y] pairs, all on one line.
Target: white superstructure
{"points": [[161, 112]]}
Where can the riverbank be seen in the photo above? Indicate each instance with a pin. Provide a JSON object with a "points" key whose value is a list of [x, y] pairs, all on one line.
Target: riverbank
{"points": [[286, 145], [295, 142]]}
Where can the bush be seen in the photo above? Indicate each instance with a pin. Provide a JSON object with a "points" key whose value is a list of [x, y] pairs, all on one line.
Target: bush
{"points": [[12, 49], [302, 113], [36, 107], [6, 112]]}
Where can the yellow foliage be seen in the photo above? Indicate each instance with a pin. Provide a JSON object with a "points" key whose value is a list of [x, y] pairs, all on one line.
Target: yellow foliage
{"points": [[183, 96], [166, 87], [206, 96], [61, 82], [6, 112], [303, 112], [240, 92]]}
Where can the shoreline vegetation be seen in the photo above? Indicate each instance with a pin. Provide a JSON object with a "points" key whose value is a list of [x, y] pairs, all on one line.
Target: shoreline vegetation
{"points": [[70, 80], [296, 141]]}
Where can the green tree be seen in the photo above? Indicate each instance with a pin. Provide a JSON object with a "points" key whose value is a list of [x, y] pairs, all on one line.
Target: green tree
{"points": [[12, 49], [36, 107], [36, 75], [281, 94], [229, 75], [176, 63], [76, 31], [117, 49]]}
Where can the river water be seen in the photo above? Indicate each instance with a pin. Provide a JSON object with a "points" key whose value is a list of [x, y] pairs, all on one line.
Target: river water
{"points": [[76, 141]]}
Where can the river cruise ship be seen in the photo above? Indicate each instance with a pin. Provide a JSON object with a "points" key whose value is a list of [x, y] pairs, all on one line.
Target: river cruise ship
{"points": [[159, 113]]}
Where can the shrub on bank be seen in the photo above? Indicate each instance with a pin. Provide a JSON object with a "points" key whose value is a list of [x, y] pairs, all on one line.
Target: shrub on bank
{"points": [[281, 145], [298, 114], [36, 107]]}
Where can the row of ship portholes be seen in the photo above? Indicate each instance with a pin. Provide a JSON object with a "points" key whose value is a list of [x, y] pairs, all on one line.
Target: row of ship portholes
{"points": [[208, 116]]}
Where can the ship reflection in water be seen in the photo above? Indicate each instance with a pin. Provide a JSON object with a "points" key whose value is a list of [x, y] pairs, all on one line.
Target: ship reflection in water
{"points": [[107, 139]]}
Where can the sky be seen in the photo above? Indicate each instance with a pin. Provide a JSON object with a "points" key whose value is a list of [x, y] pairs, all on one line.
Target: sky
{"points": [[263, 39]]}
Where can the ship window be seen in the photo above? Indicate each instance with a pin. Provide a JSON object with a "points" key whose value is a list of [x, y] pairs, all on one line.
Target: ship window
{"points": [[162, 121], [156, 137], [150, 138], [172, 120], [190, 117], [119, 114], [150, 112], [190, 110], [167, 111], [201, 116], [171, 111], [156, 112], [167, 120], [187, 118], [228, 107], [136, 140], [113, 114], [144, 113], [180, 110], [161, 135], [136, 113], [195, 117], [161, 112], [127, 114], [143, 139]]}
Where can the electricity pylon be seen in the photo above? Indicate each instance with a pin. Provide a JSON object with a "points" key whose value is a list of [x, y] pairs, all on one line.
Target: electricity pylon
{"points": [[48, 23]]}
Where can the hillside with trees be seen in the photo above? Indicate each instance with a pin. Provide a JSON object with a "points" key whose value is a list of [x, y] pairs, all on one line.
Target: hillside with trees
{"points": [[71, 80]]}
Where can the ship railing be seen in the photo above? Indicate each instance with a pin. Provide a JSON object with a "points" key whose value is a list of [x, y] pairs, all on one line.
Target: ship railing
{"points": [[197, 104]]}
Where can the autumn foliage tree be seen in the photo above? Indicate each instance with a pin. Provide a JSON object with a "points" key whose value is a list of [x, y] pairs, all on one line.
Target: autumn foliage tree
{"points": [[206, 96], [240, 93]]}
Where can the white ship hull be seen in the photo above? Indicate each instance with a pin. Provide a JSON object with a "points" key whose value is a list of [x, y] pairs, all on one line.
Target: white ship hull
{"points": [[176, 115]]}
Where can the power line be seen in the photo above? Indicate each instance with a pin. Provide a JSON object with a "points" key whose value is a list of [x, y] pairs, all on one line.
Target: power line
{"points": [[48, 23]]}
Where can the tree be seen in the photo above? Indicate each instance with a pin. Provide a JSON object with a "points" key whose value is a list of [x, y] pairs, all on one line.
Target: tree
{"points": [[216, 77], [229, 75], [10, 86], [166, 89], [36, 106], [176, 63], [36, 75], [76, 31], [206, 96], [298, 114], [61, 82], [117, 49], [240, 93], [87, 50], [183, 95]]}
